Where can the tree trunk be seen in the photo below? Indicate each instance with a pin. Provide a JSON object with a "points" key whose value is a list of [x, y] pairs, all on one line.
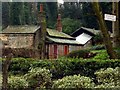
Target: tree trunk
{"points": [[42, 24], [5, 67], [104, 31], [115, 25]]}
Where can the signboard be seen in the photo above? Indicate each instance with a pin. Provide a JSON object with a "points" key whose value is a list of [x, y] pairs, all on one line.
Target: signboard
{"points": [[109, 17]]}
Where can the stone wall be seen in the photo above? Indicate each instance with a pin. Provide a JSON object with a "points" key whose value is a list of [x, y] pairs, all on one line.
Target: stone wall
{"points": [[74, 47], [17, 40]]}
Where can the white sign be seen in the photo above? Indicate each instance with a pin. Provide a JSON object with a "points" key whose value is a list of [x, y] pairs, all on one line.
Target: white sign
{"points": [[109, 17]]}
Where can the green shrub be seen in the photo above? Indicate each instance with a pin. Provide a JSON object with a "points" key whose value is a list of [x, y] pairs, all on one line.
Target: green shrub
{"points": [[109, 76], [98, 39], [15, 82], [62, 67], [20, 65], [118, 52], [39, 77], [102, 54], [73, 82], [110, 86], [79, 54]]}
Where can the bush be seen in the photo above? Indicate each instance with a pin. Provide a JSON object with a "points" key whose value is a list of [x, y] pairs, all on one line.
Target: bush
{"points": [[102, 54], [20, 65], [98, 47], [108, 86], [15, 82], [118, 52], [39, 77], [63, 67], [109, 76], [98, 39], [80, 54], [73, 82]]}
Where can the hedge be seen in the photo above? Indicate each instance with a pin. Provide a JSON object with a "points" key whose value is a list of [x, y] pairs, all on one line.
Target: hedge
{"points": [[62, 67]]}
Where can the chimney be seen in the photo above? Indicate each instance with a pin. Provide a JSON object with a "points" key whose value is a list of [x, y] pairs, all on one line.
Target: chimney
{"points": [[41, 8], [59, 24]]}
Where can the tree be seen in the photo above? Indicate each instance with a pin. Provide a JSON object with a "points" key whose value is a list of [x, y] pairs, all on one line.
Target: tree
{"points": [[50, 9], [70, 25], [115, 25], [5, 14], [104, 30], [5, 66]]}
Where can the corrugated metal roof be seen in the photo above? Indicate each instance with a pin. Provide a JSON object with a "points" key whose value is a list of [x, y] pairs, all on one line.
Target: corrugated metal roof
{"points": [[21, 29], [83, 38], [62, 41], [56, 33]]}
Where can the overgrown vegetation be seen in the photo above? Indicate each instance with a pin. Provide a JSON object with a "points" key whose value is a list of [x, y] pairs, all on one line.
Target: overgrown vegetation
{"points": [[108, 78], [76, 72], [81, 54], [74, 82], [17, 82], [38, 77]]}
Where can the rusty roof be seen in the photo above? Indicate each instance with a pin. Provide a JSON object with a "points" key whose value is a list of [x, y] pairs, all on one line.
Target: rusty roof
{"points": [[20, 29]]}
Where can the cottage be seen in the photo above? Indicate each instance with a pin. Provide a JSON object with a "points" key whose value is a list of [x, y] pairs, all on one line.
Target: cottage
{"points": [[60, 44], [84, 36], [21, 36], [56, 42]]}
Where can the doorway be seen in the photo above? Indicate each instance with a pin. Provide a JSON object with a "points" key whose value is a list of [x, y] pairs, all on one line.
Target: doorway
{"points": [[65, 50]]}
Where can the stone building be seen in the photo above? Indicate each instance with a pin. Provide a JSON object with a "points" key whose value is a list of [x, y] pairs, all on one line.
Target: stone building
{"points": [[21, 36], [56, 42]]}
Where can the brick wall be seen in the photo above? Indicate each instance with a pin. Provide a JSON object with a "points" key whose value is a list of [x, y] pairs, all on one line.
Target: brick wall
{"points": [[60, 50]]}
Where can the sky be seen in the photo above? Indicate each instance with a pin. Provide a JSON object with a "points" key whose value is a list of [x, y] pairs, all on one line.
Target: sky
{"points": [[60, 1]]}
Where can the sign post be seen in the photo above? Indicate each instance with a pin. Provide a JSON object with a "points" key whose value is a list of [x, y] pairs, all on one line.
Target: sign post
{"points": [[109, 17]]}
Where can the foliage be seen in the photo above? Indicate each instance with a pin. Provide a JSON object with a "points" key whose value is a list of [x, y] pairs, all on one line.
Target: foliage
{"points": [[39, 77], [80, 54], [109, 76], [15, 82], [89, 18], [97, 47], [20, 65], [0, 79], [23, 13], [70, 25], [98, 39], [102, 55], [108, 86], [118, 52], [73, 82], [63, 67]]}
